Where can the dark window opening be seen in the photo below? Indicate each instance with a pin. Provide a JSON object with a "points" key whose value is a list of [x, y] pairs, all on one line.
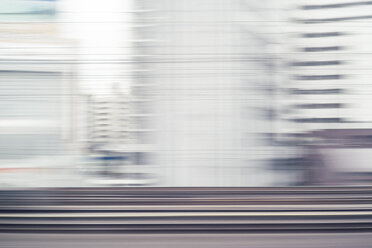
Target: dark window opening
{"points": [[316, 92], [318, 77], [317, 63], [318, 120], [335, 5], [322, 49], [319, 35], [319, 106]]}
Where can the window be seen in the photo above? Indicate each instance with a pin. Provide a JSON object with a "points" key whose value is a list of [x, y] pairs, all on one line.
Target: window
{"points": [[318, 120], [322, 49], [316, 92], [336, 5], [319, 35], [338, 19], [319, 106], [317, 63], [318, 77]]}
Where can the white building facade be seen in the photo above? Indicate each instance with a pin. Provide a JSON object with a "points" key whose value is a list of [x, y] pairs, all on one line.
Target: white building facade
{"points": [[329, 56], [206, 77]]}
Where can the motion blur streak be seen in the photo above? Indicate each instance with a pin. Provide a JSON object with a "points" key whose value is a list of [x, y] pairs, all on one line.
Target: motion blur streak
{"points": [[184, 217], [186, 123], [187, 240], [186, 93], [187, 210]]}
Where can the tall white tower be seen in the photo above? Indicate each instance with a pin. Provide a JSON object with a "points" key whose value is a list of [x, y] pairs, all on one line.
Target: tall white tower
{"points": [[206, 76]]}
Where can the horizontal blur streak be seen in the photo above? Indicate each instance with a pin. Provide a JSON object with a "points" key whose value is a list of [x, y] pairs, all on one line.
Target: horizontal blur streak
{"points": [[318, 209], [193, 93], [187, 123], [326, 240]]}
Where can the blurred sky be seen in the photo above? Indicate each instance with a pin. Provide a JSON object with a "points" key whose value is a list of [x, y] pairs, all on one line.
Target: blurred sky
{"points": [[103, 32]]}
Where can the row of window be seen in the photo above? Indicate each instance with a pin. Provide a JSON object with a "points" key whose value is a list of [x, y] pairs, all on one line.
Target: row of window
{"points": [[318, 120], [317, 63], [316, 92], [320, 35], [319, 106], [322, 49], [336, 19], [336, 5], [319, 77]]}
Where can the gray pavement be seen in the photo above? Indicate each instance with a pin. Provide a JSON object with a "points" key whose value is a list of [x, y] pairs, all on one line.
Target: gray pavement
{"points": [[340, 240]]}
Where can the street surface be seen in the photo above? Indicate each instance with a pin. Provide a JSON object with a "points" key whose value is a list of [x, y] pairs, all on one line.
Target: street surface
{"points": [[341, 240]]}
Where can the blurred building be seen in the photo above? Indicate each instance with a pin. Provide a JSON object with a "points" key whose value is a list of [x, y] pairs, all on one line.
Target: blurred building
{"points": [[325, 87], [37, 85], [329, 55], [108, 120], [112, 139], [205, 84]]}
